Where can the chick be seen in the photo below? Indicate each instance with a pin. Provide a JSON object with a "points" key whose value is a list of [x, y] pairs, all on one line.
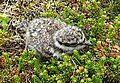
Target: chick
{"points": [[51, 37]]}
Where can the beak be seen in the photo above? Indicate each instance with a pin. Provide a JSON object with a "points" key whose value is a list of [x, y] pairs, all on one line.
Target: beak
{"points": [[87, 43]]}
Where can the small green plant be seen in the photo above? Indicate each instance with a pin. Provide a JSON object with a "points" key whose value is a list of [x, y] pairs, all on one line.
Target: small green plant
{"points": [[99, 19], [4, 19]]}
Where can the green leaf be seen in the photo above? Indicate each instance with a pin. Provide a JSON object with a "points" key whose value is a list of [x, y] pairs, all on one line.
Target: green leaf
{"points": [[16, 79]]}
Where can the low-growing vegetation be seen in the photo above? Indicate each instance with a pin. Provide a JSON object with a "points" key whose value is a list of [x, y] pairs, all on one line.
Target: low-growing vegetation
{"points": [[100, 21]]}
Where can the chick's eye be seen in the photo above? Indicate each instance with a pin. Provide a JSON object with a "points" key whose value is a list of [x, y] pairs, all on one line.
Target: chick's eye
{"points": [[78, 30]]}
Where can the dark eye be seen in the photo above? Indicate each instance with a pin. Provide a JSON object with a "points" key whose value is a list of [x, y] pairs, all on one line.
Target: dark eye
{"points": [[78, 31]]}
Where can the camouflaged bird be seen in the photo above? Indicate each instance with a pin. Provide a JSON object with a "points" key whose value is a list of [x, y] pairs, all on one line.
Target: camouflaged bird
{"points": [[51, 37]]}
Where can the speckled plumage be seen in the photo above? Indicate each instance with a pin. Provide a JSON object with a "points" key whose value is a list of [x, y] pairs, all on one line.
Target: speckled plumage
{"points": [[50, 37]]}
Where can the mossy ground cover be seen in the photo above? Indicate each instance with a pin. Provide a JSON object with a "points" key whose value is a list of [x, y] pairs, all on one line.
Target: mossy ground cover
{"points": [[100, 21]]}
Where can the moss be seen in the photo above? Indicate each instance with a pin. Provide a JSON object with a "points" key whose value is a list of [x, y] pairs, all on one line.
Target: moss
{"points": [[100, 20]]}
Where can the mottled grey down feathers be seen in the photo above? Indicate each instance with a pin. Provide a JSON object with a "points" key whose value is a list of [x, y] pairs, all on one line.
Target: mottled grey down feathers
{"points": [[51, 37]]}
